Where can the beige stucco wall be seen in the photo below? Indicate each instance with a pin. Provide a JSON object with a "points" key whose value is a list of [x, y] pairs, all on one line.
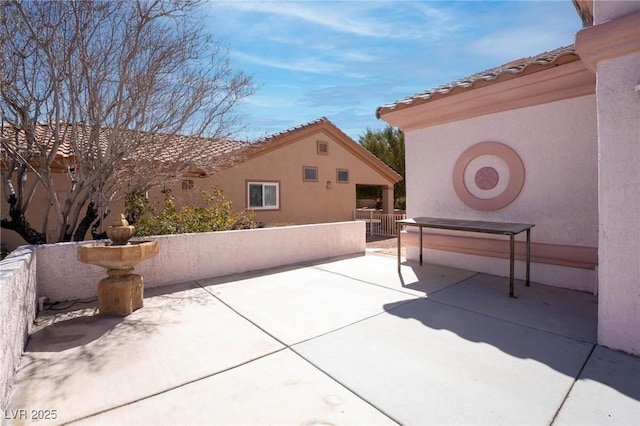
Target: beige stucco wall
{"points": [[35, 211], [557, 145], [619, 190], [300, 202]]}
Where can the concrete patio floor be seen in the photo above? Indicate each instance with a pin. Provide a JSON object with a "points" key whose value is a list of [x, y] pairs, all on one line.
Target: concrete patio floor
{"points": [[346, 341]]}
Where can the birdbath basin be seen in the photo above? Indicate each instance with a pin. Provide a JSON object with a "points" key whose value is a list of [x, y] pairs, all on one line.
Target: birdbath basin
{"points": [[118, 257], [122, 292]]}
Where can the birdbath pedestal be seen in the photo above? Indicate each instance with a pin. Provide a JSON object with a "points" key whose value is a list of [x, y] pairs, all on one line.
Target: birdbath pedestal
{"points": [[122, 292]]}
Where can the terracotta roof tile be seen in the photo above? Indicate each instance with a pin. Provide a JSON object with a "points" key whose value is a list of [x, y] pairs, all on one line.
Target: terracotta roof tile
{"points": [[276, 140], [176, 146], [291, 130], [507, 71]]}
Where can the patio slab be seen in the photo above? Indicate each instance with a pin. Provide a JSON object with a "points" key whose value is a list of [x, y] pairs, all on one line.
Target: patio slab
{"points": [[84, 363], [423, 362], [557, 310], [294, 305], [607, 392], [280, 388], [419, 280], [337, 341]]}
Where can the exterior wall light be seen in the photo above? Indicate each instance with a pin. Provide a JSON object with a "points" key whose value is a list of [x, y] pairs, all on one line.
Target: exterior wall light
{"points": [[329, 184]]}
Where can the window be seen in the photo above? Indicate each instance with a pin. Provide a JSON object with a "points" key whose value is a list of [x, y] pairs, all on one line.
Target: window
{"points": [[309, 174], [323, 148], [342, 176], [263, 195], [187, 184]]}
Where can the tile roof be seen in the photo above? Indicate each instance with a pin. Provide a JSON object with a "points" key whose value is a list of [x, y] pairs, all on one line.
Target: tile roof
{"points": [[291, 130], [504, 72], [219, 152], [276, 140], [173, 146]]}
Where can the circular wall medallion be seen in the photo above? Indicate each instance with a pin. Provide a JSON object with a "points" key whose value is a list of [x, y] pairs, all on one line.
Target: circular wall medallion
{"points": [[488, 176]]}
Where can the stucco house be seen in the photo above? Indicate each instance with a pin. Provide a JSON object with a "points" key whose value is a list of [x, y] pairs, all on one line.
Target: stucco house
{"points": [[307, 174], [552, 140]]}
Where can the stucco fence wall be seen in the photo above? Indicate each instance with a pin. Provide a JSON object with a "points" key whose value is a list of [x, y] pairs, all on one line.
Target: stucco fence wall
{"points": [[59, 276], [17, 311]]}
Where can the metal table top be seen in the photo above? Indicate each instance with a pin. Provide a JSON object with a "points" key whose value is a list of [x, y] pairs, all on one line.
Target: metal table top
{"points": [[505, 228]]}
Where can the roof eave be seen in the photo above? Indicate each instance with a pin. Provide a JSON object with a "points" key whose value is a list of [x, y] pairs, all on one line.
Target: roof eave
{"points": [[568, 80], [323, 125]]}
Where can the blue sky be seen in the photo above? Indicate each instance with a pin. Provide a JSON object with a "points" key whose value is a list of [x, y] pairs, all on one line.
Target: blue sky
{"points": [[343, 59]]}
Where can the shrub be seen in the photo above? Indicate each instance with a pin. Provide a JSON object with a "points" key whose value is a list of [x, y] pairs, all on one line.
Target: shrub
{"points": [[216, 215]]}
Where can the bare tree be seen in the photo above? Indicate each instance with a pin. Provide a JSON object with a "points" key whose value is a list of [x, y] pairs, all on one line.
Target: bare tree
{"points": [[101, 91]]}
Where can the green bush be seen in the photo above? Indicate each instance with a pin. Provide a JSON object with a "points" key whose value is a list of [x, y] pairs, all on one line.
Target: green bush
{"points": [[216, 216]]}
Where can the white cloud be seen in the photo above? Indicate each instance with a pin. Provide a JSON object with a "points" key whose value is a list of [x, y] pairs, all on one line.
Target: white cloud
{"points": [[309, 65], [515, 43], [375, 19], [342, 59]]}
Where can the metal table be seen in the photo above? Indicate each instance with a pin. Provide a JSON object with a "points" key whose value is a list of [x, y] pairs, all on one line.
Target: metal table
{"points": [[501, 228]]}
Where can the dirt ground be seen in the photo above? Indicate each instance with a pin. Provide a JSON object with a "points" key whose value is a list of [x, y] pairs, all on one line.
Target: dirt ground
{"points": [[381, 241], [386, 244]]}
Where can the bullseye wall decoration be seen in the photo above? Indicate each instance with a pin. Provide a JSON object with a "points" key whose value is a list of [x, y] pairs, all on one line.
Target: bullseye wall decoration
{"points": [[488, 176]]}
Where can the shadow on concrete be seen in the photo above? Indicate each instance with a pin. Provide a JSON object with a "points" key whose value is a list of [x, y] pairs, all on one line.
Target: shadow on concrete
{"points": [[61, 330], [567, 355], [73, 332], [274, 270]]}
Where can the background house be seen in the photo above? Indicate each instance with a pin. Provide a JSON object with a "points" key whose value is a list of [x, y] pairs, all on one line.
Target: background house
{"points": [[139, 167], [303, 175], [307, 174], [540, 141]]}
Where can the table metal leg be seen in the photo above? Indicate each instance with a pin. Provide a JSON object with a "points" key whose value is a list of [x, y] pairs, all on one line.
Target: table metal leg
{"points": [[511, 259], [399, 230], [528, 255], [420, 228]]}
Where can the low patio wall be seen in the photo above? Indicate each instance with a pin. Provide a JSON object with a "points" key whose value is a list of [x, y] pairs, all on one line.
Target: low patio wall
{"points": [[17, 311], [188, 257]]}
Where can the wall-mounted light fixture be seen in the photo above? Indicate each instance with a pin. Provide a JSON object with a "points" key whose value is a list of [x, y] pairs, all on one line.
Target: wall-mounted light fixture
{"points": [[329, 184]]}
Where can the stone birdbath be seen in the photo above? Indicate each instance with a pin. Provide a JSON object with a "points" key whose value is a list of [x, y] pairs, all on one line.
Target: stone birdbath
{"points": [[122, 291]]}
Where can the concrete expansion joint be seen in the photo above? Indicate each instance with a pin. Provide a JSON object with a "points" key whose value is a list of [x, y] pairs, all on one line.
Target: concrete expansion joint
{"points": [[290, 347], [575, 380], [344, 385], [172, 388]]}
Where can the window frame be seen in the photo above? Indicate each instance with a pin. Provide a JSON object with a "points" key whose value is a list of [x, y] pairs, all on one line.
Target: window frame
{"points": [[325, 144], [188, 185], [338, 176], [304, 174], [275, 184]]}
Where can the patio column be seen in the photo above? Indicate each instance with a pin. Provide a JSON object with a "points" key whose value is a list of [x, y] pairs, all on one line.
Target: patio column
{"points": [[387, 199], [611, 48]]}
